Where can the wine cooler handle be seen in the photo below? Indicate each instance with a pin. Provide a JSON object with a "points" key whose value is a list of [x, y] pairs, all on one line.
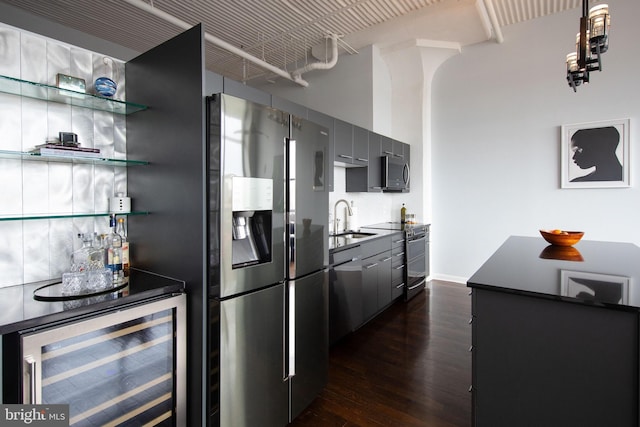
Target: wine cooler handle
{"points": [[31, 362]]}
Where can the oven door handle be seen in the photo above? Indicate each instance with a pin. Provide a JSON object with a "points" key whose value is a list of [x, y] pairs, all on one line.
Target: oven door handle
{"points": [[422, 282]]}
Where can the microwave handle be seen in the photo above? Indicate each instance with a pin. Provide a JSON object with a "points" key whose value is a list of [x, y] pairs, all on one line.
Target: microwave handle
{"points": [[406, 173]]}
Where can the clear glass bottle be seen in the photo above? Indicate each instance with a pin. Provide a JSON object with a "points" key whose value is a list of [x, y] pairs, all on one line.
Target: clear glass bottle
{"points": [[113, 249], [88, 257], [122, 231]]}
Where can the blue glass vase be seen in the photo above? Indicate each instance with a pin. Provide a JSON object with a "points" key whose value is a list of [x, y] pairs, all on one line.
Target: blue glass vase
{"points": [[105, 86]]}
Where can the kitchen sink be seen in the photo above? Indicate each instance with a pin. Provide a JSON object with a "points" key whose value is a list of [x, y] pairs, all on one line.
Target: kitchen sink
{"points": [[353, 234]]}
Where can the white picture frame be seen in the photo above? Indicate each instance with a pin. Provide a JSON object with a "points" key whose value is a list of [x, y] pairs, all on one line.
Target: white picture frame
{"points": [[595, 154]]}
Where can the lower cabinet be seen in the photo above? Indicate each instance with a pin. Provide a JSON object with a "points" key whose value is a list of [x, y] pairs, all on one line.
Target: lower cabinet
{"points": [[543, 362], [345, 293], [376, 276], [125, 366], [363, 281]]}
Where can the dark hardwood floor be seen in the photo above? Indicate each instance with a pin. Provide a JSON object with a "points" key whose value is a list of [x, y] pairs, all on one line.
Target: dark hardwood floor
{"points": [[410, 366]]}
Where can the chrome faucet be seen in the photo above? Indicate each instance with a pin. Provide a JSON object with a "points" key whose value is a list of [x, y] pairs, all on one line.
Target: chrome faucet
{"points": [[335, 216]]}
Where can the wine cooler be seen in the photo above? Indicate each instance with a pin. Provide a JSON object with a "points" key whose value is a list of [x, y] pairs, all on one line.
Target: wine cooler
{"points": [[124, 367]]}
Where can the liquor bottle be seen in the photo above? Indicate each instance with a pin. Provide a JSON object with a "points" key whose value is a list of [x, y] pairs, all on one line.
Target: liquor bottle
{"points": [[113, 249], [121, 230], [403, 214]]}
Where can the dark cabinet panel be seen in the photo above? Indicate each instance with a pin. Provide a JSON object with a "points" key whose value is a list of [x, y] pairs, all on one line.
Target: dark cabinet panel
{"points": [[327, 122], [345, 293], [539, 362], [360, 146], [374, 172], [369, 287], [343, 150]]}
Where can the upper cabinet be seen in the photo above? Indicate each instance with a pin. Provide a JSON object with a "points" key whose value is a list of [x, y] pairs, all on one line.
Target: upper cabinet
{"points": [[327, 122], [351, 144]]}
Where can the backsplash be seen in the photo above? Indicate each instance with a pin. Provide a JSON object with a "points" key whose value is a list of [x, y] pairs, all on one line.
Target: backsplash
{"points": [[40, 249], [372, 208]]}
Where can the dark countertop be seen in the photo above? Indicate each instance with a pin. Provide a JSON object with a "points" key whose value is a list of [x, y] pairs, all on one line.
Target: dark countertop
{"points": [[19, 310], [590, 272]]}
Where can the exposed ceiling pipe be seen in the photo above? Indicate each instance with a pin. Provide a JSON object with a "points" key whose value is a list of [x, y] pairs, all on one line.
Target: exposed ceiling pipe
{"points": [[320, 65], [488, 5], [219, 42]]}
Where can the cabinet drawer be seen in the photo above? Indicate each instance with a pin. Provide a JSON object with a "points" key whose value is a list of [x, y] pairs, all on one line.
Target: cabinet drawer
{"points": [[375, 246], [397, 274], [397, 241], [398, 256], [338, 257]]}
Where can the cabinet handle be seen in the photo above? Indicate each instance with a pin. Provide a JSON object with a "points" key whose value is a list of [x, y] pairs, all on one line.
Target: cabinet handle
{"points": [[344, 156], [362, 160], [371, 265], [470, 292], [471, 348], [398, 155], [401, 285], [399, 241], [31, 362], [388, 152], [400, 254], [471, 320], [470, 388], [387, 259], [400, 267]]}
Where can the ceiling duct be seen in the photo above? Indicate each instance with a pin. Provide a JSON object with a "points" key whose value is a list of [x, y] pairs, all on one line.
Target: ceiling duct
{"points": [[295, 76]]}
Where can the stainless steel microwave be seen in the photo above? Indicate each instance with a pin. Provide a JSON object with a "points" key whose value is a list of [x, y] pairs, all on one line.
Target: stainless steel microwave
{"points": [[395, 174]]}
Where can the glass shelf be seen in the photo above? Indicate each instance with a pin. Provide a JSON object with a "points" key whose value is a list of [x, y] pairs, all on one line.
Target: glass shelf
{"points": [[22, 155], [45, 92], [24, 217]]}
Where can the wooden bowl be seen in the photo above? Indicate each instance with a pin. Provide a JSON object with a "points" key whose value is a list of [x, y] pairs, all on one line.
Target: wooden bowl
{"points": [[566, 238]]}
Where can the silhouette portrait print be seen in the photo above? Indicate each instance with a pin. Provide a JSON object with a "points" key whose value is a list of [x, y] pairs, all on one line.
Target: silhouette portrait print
{"points": [[597, 148]]}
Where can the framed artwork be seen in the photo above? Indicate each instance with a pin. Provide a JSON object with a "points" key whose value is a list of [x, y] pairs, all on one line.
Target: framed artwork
{"points": [[595, 287], [596, 154]]}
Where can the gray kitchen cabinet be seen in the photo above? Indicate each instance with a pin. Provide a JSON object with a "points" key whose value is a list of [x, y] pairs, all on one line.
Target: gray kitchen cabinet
{"points": [[398, 265], [376, 276], [327, 122], [360, 146], [343, 142], [345, 292], [369, 178], [374, 172]]}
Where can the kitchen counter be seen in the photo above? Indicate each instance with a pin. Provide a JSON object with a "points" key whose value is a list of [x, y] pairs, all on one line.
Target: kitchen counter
{"points": [[590, 272], [556, 336], [19, 310]]}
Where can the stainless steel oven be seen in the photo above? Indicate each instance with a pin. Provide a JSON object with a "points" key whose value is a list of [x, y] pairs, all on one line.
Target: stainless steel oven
{"points": [[417, 241]]}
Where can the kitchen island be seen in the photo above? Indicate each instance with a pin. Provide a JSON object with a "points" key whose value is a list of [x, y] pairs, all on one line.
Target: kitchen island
{"points": [[555, 335]]}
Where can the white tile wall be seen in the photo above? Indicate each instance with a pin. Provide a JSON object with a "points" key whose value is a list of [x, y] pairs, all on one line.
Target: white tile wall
{"points": [[35, 250]]}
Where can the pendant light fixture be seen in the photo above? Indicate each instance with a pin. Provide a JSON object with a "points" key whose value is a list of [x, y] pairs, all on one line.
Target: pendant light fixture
{"points": [[591, 42]]}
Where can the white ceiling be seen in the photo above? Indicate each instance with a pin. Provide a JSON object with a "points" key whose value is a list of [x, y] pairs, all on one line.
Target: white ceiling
{"points": [[281, 32]]}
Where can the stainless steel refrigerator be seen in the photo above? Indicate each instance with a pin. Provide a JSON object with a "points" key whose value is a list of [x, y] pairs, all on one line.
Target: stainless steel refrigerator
{"points": [[268, 257]]}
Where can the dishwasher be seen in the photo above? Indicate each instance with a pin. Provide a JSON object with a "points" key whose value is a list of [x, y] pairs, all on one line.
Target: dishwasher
{"points": [[345, 292]]}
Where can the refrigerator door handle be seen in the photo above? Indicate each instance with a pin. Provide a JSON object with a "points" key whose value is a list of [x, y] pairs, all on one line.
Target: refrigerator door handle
{"points": [[290, 325]]}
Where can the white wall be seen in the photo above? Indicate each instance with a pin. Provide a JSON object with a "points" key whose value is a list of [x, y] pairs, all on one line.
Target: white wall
{"points": [[497, 112]]}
